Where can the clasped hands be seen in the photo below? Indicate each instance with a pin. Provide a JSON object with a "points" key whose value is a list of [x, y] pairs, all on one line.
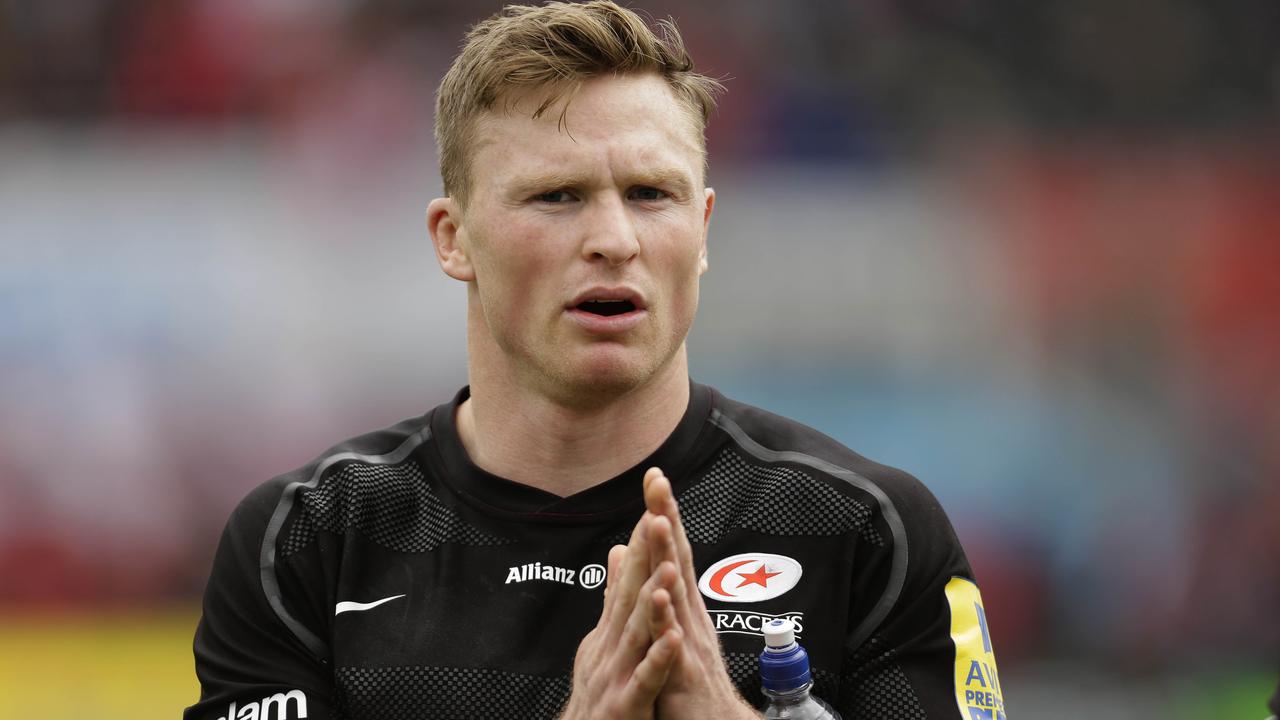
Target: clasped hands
{"points": [[653, 652]]}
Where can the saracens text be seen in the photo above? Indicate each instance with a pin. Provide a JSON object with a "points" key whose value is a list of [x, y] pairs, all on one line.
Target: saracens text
{"points": [[745, 622]]}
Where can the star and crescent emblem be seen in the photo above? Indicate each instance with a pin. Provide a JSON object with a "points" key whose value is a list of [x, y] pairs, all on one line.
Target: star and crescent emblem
{"points": [[750, 577]]}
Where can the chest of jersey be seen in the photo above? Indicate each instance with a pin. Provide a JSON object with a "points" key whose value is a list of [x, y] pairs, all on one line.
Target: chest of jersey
{"points": [[498, 625]]}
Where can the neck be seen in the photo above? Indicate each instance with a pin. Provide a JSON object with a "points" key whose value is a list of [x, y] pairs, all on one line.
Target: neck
{"points": [[523, 435]]}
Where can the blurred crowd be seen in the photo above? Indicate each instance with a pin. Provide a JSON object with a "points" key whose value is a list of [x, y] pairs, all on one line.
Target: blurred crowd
{"points": [[830, 80], [1099, 405]]}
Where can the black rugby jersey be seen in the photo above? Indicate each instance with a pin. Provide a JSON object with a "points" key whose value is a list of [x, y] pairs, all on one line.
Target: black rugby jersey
{"points": [[392, 578]]}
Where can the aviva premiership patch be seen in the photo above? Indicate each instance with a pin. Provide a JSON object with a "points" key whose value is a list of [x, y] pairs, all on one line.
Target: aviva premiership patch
{"points": [[977, 682]]}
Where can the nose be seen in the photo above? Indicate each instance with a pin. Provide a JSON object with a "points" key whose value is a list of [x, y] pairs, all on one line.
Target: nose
{"points": [[610, 233]]}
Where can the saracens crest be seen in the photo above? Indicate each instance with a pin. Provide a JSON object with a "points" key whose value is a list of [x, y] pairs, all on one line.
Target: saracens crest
{"points": [[750, 577]]}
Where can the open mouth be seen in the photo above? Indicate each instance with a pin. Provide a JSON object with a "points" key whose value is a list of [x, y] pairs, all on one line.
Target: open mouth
{"points": [[607, 308]]}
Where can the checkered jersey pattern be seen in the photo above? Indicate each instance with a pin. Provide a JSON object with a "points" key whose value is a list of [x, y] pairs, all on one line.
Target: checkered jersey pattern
{"points": [[388, 504], [744, 671], [396, 693], [770, 499], [873, 687]]}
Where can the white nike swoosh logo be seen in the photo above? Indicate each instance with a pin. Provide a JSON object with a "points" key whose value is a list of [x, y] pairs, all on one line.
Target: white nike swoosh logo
{"points": [[352, 606]]}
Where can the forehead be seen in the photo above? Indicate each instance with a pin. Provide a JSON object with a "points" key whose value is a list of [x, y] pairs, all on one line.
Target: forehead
{"points": [[629, 123]]}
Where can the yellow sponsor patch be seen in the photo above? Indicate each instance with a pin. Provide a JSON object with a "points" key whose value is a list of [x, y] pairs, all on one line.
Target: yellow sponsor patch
{"points": [[977, 682]]}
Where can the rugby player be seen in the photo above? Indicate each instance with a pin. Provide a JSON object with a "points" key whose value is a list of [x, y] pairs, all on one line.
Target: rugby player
{"points": [[583, 531]]}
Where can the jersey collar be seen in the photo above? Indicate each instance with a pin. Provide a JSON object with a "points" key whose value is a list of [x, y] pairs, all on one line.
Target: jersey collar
{"points": [[620, 495]]}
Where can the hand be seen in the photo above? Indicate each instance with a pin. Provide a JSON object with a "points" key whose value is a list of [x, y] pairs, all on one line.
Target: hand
{"points": [[624, 662], [697, 684]]}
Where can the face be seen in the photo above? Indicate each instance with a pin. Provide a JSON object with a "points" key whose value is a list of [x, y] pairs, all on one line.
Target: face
{"points": [[583, 239]]}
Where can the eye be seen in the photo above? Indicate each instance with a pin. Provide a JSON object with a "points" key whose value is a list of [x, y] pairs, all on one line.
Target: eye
{"points": [[647, 193], [554, 196]]}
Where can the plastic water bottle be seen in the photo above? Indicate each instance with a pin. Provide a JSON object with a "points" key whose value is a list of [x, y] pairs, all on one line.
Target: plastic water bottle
{"points": [[784, 675]]}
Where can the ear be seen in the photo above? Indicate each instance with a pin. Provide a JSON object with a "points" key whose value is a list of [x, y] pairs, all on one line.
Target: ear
{"points": [[706, 228], [444, 220]]}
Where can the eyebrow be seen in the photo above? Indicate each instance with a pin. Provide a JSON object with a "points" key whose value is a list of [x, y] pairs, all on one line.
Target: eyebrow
{"points": [[672, 178], [540, 182]]}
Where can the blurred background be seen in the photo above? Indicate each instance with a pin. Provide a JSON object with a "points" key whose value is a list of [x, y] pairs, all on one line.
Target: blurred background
{"points": [[1027, 251]]}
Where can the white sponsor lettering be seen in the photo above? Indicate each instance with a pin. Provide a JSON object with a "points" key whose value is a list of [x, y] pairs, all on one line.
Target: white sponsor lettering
{"points": [[745, 622], [272, 707], [538, 571]]}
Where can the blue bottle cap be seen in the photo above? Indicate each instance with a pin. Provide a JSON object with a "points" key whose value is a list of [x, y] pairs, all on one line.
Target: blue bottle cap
{"points": [[784, 665]]}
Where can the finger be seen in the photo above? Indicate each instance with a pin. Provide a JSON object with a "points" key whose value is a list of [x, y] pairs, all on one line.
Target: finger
{"points": [[662, 545], [657, 495], [668, 542], [660, 499], [663, 551], [616, 555], [654, 608], [662, 613], [632, 574], [636, 634], [689, 608], [634, 568], [651, 674], [678, 579]]}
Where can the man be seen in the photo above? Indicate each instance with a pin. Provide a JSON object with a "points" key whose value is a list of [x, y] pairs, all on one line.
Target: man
{"points": [[583, 531]]}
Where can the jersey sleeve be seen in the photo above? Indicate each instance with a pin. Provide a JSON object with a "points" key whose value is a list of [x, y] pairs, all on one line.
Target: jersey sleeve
{"points": [[250, 663], [919, 646]]}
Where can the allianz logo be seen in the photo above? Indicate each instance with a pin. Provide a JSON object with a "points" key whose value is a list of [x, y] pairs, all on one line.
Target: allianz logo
{"points": [[273, 707], [590, 576]]}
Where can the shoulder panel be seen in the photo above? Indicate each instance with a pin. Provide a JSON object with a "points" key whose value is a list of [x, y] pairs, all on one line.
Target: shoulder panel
{"points": [[309, 477], [738, 494], [390, 504], [885, 506]]}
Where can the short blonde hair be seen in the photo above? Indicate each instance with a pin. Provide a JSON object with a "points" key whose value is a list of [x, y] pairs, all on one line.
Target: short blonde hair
{"points": [[555, 46]]}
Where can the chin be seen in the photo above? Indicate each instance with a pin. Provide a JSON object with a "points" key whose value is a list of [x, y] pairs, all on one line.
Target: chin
{"points": [[601, 380]]}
